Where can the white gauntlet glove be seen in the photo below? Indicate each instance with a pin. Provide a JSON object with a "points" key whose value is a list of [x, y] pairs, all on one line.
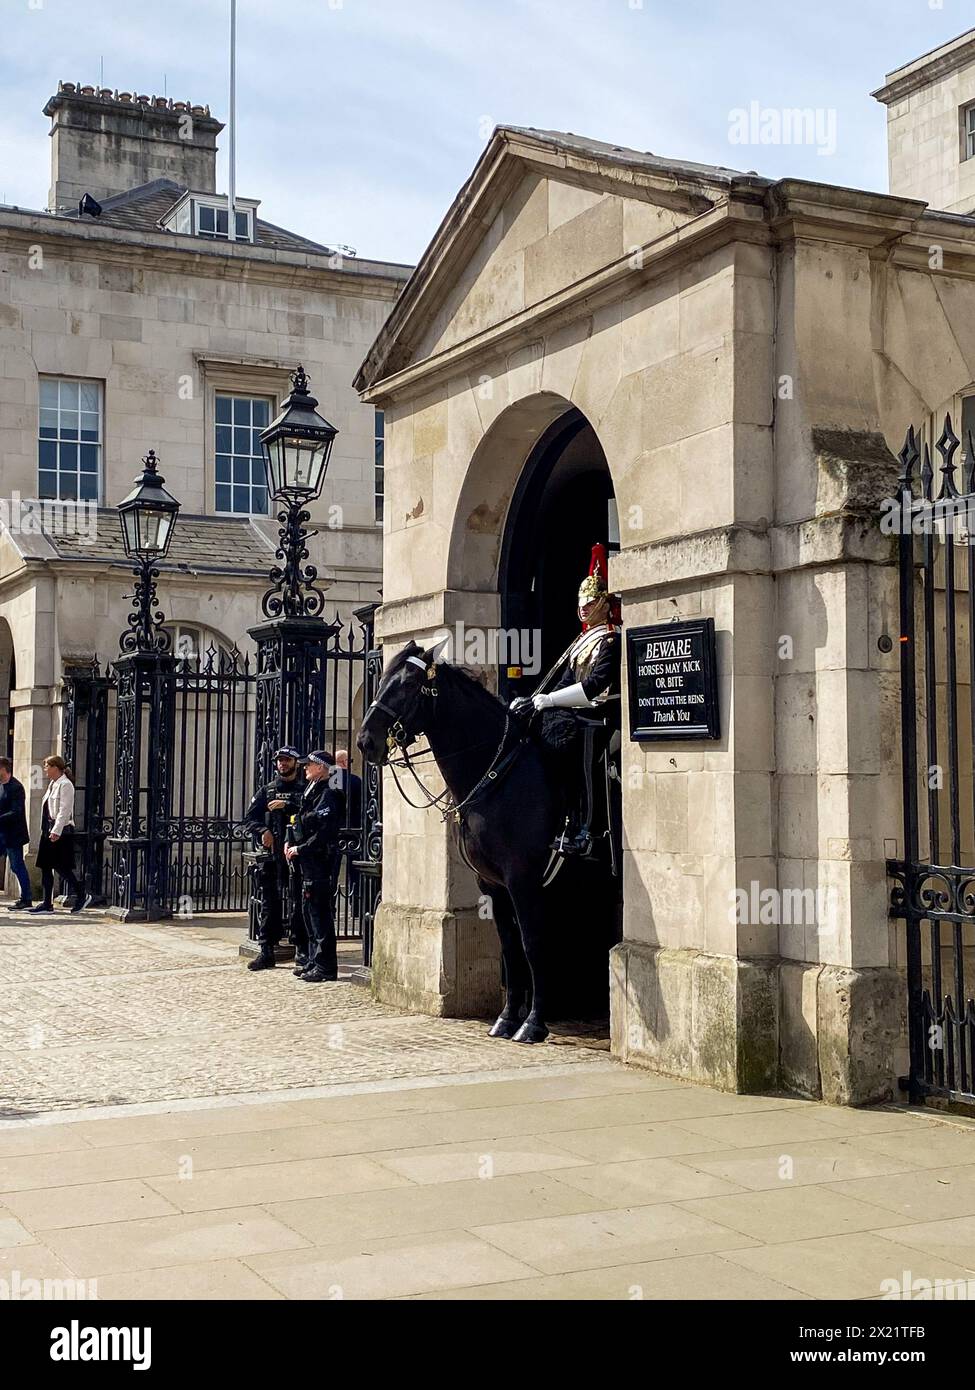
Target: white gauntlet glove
{"points": [[572, 697]]}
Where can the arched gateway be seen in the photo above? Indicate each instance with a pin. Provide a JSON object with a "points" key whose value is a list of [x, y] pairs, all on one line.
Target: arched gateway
{"points": [[592, 324]]}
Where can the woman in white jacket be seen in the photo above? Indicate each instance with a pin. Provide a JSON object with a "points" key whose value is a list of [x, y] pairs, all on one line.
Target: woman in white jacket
{"points": [[56, 850]]}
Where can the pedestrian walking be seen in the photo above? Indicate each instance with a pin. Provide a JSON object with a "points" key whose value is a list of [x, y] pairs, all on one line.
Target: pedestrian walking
{"points": [[13, 831], [56, 851], [314, 850]]}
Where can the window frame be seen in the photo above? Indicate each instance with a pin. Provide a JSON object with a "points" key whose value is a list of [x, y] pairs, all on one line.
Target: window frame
{"points": [[234, 395], [222, 376], [966, 127], [217, 207], [379, 466], [58, 440]]}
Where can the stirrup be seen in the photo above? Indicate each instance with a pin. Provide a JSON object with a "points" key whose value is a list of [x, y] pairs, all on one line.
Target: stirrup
{"points": [[580, 845]]}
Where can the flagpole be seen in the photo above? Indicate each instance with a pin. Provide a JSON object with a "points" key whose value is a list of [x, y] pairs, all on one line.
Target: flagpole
{"points": [[232, 122]]}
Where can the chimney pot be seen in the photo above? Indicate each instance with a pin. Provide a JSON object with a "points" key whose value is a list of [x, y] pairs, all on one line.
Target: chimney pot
{"points": [[117, 142]]}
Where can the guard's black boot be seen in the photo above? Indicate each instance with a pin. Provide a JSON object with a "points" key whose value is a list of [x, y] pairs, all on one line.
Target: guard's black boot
{"points": [[574, 843], [265, 961]]}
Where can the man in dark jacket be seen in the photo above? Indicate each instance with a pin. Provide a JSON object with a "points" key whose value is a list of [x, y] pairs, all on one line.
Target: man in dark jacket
{"points": [[267, 817], [13, 830], [313, 850]]}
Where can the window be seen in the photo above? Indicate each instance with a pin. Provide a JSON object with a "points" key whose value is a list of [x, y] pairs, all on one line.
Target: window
{"points": [[205, 214], [968, 131], [69, 439], [241, 485], [192, 642], [212, 221], [379, 444]]}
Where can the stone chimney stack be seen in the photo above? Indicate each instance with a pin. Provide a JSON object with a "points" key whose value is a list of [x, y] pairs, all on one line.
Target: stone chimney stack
{"points": [[105, 142]]}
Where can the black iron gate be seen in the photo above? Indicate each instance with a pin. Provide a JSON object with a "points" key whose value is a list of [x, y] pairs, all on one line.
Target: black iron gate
{"points": [[88, 746], [935, 881], [167, 754]]}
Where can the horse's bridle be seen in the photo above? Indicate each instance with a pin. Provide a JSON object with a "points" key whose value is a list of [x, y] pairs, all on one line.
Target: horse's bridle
{"points": [[398, 736]]}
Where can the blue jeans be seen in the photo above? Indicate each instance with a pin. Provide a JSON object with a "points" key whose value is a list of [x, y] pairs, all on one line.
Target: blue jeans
{"points": [[15, 858]]}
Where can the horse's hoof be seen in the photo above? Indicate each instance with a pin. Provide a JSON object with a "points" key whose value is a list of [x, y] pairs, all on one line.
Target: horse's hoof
{"points": [[530, 1032], [503, 1027]]}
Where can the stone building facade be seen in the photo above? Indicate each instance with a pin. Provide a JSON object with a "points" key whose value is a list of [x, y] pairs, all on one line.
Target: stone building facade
{"points": [[739, 360], [931, 126], [120, 334]]}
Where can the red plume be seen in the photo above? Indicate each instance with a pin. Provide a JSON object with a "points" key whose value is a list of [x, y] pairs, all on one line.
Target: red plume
{"points": [[597, 562]]}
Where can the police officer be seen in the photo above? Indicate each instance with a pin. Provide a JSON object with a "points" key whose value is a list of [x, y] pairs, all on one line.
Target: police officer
{"points": [[267, 817], [314, 850]]}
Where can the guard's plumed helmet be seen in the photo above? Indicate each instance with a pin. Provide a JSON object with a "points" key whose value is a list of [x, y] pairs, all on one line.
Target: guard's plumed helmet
{"points": [[593, 587]]}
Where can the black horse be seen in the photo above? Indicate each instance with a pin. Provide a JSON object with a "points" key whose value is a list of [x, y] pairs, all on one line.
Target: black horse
{"points": [[509, 806]]}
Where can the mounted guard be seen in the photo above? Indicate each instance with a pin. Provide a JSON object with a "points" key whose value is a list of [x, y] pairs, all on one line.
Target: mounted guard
{"points": [[579, 701]]}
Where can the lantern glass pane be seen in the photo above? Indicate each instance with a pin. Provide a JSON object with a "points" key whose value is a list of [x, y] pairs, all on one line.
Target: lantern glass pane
{"points": [[147, 530]]}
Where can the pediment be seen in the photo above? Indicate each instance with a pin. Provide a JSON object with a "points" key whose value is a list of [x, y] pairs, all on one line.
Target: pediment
{"points": [[540, 213]]}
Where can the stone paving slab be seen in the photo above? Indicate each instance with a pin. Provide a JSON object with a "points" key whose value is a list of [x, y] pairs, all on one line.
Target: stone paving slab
{"points": [[94, 1013], [447, 1186], [186, 1130]]}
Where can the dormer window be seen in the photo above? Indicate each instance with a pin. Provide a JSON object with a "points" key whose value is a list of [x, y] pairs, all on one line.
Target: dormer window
{"points": [[206, 215], [212, 221]]}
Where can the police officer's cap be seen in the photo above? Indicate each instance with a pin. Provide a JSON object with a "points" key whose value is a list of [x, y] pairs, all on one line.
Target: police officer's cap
{"points": [[287, 752], [320, 756]]}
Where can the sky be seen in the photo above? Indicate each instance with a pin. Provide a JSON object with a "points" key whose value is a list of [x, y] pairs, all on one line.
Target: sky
{"points": [[359, 120]]}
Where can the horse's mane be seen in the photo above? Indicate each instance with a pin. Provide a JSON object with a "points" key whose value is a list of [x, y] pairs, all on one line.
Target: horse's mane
{"points": [[469, 684], [460, 679]]}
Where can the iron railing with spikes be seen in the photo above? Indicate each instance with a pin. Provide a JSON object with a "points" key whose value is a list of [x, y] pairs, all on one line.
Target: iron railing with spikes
{"points": [[934, 892]]}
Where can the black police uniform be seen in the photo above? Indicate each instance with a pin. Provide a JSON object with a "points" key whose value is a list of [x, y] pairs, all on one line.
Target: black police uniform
{"points": [[272, 870], [316, 834]]}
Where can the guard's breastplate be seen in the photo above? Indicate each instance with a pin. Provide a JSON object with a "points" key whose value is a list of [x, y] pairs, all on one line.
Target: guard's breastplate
{"points": [[584, 654]]}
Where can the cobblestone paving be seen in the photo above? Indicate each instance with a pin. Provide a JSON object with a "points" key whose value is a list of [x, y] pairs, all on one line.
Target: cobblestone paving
{"points": [[96, 1013]]}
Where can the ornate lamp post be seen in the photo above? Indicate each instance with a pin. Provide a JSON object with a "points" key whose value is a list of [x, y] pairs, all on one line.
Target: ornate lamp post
{"points": [[148, 516], [297, 446], [291, 647], [145, 710]]}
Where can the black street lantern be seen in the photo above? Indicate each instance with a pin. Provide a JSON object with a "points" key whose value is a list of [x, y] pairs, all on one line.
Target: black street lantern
{"points": [[148, 518], [148, 515], [297, 445]]}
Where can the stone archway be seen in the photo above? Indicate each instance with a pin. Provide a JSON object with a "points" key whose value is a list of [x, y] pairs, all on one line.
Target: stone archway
{"points": [[489, 485], [434, 949]]}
